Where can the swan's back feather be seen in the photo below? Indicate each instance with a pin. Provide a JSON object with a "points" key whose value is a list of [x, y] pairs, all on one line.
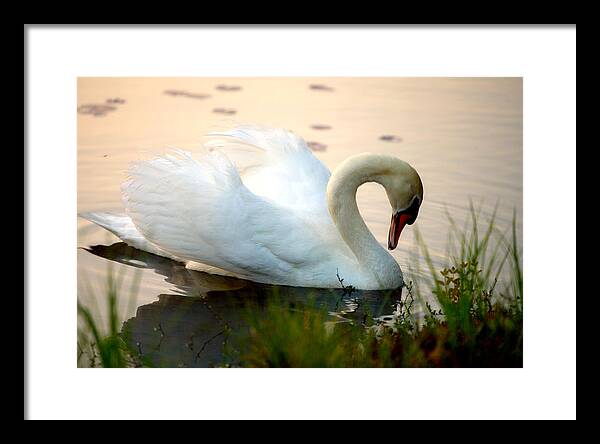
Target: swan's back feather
{"points": [[276, 164], [201, 211]]}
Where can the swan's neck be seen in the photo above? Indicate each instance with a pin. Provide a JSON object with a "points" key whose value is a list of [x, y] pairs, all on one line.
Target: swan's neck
{"points": [[341, 197]]}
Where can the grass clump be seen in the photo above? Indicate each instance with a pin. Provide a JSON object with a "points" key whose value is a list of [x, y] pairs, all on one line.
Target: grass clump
{"points": [[466, 319], [296, 338], [308, 338], [105, 346]]}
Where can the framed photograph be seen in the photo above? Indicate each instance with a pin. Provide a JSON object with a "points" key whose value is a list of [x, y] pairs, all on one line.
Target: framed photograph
{"points": [[367, 208]]}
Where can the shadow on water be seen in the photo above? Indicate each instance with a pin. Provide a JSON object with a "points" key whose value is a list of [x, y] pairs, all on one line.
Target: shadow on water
{"points": [[192, 327]]}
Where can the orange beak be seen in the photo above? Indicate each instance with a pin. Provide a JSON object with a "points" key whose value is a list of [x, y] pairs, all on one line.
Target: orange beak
{"points": [[399, 221]]}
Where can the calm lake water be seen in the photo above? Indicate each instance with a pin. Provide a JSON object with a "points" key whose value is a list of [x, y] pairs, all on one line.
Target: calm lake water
{"points": [[463, 136]]}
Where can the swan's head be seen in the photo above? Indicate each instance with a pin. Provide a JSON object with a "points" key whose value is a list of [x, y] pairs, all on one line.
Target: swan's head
{"points": [[400, 180], [405, 193]]}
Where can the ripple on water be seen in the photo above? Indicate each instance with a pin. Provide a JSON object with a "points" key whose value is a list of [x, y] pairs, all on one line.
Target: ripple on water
{"points": [[390, 138], [116, 100], [228, 111], [316, 146], [183, 93], [96, 110], [320, 87], [228, 87]]}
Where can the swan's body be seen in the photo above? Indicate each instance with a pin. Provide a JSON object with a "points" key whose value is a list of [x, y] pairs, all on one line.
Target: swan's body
{"points": [[274, 216]]}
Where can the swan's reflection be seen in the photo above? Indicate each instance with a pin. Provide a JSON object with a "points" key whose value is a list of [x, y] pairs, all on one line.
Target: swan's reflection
{"points": [[193, 327]]}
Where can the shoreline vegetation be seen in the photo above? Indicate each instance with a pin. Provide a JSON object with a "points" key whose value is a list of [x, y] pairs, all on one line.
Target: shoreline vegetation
{"points": [[475, 319]]}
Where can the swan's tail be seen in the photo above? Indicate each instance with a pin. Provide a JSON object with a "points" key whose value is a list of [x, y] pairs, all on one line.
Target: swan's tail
{"points": [[122, 226]]}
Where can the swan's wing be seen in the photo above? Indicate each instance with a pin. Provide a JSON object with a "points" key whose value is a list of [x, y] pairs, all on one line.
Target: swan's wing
{"points": [[276, 164], [122, 227], [201, 211]]}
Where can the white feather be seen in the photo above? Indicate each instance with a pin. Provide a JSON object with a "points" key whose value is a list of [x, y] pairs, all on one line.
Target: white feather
{"points": [[255, 207], [122, 226], [276, 164], [201, 211]]}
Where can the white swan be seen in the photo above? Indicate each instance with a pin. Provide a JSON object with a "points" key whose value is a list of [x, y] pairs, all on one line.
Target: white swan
{"points": [[260, 206]]}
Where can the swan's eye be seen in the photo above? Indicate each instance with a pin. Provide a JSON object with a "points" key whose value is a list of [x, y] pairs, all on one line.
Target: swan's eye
{"points": [[413, 210]]}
